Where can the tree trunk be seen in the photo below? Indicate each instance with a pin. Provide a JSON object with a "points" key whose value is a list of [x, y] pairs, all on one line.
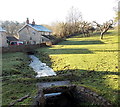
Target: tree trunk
{"points": [[101, 35]]}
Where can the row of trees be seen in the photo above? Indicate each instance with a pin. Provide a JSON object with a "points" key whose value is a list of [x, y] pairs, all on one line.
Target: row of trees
{"points": [[74, 24], [11, 27]]}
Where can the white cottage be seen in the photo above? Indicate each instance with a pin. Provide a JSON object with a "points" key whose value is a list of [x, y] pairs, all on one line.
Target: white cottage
{"points": [[3, 39], [33, 34]]}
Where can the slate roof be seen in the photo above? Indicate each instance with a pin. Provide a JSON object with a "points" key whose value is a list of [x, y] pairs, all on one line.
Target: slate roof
{"points": [[49, 37], [38, 28], [10, 38]]}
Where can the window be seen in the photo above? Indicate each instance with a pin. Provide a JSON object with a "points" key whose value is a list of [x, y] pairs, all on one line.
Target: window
{"points": [[33, 32], [30, 38], [34, 42]]}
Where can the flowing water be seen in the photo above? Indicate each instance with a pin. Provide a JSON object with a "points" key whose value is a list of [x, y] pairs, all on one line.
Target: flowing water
{"points": [[41, 68]]}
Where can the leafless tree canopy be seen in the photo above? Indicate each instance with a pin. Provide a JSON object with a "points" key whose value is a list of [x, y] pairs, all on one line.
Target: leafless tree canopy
{"points": [[86, 28], [104, 28], [74, 15], [73, 25], [11, 27], [73, 18]]}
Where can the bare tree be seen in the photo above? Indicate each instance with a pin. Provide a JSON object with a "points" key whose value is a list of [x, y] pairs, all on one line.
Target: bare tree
{"points": [[11, 27], [104, 28], [86, 28], [73, 25], [73, 18]]}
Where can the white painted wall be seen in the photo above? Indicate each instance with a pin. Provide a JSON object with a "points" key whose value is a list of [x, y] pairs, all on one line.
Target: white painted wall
{"points": [[30, 35], [3, 39]]}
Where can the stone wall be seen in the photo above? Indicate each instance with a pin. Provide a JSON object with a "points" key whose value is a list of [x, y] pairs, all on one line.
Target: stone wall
{"points": [[91, 97], [21, 48], [82, 96], [3, 39], [28, 47]]}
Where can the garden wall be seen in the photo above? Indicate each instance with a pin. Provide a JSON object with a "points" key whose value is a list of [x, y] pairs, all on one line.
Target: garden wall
{"points": [[21, 48], [28, 47]]}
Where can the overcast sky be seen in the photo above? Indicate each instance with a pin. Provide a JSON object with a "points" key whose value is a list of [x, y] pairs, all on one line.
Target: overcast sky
{"points": [[49, 11]]}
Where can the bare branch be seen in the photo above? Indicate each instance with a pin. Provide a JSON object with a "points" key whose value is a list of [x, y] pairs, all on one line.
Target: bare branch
{"points": [[105, 27], [19, 100]]}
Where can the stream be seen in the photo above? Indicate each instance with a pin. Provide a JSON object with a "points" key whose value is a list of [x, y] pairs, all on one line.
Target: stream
{"points": [[41, 68]]}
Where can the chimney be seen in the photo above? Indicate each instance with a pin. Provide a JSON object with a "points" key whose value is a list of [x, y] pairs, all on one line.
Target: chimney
{"points": [[27, 21], [33, 23]]}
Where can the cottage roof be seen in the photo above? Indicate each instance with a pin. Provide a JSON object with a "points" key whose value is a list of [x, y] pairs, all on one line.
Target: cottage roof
{"points": [[10, 38], [37, 28], [2, 30]]}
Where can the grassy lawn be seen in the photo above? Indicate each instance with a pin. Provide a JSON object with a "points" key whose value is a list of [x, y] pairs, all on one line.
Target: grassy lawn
{"points": [[17, 78], [93, 61]]}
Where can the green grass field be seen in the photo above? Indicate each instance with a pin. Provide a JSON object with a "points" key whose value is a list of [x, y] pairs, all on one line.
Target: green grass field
{"points": [[93, 61], [16, 78]]}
